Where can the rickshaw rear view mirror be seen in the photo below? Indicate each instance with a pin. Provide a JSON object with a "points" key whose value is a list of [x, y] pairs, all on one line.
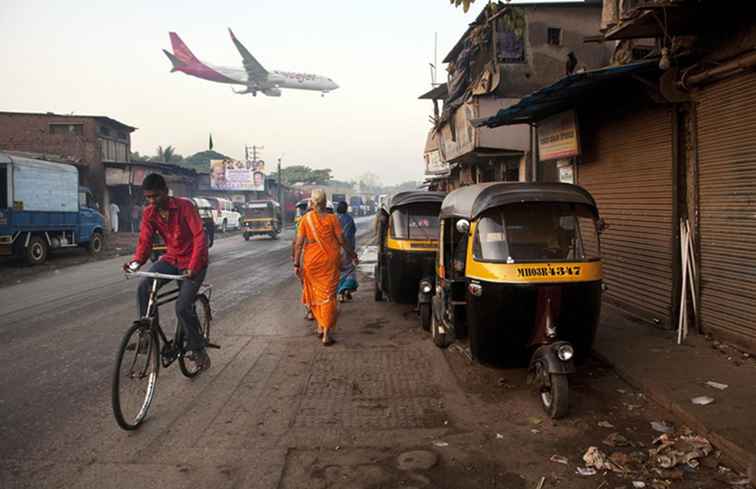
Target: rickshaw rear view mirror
{"points": [[463, 226], [601, 225]]}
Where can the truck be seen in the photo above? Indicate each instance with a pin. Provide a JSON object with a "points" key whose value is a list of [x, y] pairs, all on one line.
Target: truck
{"points": [[42, 207]]}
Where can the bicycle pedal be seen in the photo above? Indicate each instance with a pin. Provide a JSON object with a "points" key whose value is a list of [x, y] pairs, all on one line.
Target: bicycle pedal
{"points": [[213, 345]]}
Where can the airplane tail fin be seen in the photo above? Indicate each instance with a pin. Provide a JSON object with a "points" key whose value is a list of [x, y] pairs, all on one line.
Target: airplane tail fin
{"points": [[180, 51], [177, 63]]}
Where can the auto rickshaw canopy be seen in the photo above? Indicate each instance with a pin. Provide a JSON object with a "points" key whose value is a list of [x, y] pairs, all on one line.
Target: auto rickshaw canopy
{"points": [[409, 197], [471, 201]]}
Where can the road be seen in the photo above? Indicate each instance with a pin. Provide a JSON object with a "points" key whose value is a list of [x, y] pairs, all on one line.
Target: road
{"points": [[278, 410]]}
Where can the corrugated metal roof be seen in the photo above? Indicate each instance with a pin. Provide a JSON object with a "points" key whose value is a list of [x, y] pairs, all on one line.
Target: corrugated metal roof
{"points": [[563, 94]]}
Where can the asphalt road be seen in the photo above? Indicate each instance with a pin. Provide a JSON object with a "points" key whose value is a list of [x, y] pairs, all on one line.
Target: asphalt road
{"points": [[382, 408]]}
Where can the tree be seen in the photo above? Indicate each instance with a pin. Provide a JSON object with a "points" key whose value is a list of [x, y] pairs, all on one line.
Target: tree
{"points": [[168, 155], [304, 174], [201, 161], [369, 182], [135, 156]]}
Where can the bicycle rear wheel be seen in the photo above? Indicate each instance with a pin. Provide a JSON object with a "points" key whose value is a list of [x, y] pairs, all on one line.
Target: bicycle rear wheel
{"points": [[135, 375], [202, 310]]}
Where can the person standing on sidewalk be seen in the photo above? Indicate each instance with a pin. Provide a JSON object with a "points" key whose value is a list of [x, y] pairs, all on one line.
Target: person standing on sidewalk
{"points": [[320, 236], [114, 212], [179, 224], [348, 277], [136, 217]]}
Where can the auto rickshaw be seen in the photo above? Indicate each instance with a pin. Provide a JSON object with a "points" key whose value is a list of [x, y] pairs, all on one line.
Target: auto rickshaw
{"points": [[519, 274], [407, 230], [261, 217], [302, 207]]}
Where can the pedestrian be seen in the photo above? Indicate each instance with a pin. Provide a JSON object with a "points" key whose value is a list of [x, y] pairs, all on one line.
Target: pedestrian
{"points": [[136, 217], [114, 211], [305, 299], [348, 277], [320, 236]]}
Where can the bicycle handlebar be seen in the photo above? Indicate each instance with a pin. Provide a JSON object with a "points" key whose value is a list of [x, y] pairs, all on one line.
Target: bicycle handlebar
{"points": [[163, 276]]}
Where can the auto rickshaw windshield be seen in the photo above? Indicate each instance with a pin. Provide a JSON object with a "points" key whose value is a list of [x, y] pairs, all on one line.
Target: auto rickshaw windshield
{"points": [[254, 211], [416, 222], [537, 231]]}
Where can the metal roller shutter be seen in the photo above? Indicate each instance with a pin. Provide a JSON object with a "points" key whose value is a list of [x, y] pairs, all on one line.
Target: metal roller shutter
{"points": [[627, 166], [727, 207]]}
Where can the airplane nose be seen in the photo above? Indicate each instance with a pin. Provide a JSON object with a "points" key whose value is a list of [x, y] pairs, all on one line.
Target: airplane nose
{"points": [[335, 85]]}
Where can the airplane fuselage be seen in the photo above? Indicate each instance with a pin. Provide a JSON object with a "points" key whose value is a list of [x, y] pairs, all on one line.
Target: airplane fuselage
{"points": [[275, 79]]}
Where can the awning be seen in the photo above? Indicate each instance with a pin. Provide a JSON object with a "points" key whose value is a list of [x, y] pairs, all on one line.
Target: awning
{"points": [[439, 92], [564, 94]]}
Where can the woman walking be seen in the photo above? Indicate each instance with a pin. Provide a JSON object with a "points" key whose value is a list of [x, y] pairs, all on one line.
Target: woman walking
{"points": [[320, 236], [348, 277]]}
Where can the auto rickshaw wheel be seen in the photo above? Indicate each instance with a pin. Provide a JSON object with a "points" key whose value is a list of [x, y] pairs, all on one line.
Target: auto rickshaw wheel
{"points": [[425, 315], [377, 292], [440, 338], [554, 393], [246, 237]]}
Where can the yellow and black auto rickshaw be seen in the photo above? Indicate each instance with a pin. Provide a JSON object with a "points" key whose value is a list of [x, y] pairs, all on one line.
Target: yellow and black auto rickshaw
{"points": [[407, 231], [519, 274], [261, 217]]}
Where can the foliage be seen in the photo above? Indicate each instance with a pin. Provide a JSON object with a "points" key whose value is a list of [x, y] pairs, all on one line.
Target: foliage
{"points": [[135, 156], [369, 182], [168, 155], [465, 4], [201, 161], [304, 174]]}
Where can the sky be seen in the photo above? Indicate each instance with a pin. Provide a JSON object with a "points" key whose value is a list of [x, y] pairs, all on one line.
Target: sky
{"points": [[104, 58]]}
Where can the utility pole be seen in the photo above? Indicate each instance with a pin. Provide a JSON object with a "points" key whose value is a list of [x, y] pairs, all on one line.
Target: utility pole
{"points": [[280, 193], [254, 149]]}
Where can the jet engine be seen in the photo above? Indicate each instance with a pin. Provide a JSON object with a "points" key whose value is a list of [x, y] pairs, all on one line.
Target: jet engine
{"points": [[272, 92]]}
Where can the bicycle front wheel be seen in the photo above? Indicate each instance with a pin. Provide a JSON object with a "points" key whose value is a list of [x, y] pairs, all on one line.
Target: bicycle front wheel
{"points": [[135, 375], [202, 310]]}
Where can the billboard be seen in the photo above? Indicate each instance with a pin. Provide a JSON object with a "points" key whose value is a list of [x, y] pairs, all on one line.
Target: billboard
{"points": [[231, 174]]}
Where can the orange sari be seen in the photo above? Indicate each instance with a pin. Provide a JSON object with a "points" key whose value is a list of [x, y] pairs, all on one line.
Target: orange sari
{"points": [[320, 268]]}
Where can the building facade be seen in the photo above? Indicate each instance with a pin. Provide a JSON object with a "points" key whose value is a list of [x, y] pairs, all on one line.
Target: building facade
{"points": [[509, 51]]}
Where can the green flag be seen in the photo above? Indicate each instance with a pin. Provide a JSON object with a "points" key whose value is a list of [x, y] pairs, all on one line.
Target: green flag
{"points": [[211, 142]]}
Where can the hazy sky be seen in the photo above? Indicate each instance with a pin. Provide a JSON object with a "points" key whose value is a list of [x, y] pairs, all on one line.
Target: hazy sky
{"points": [[104, 58]]}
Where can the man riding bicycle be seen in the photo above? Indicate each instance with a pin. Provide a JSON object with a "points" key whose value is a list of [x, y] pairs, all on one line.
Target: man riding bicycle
{"points": [[179, 224]]}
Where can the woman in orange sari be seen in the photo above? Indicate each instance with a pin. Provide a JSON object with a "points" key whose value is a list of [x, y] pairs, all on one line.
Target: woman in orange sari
{"points": [[319, 233]]}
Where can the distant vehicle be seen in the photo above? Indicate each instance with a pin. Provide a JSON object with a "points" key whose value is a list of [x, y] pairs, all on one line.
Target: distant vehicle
{"points": [[42, 207], [224, 215], [254, 77], [261, 217], [355, 202]]}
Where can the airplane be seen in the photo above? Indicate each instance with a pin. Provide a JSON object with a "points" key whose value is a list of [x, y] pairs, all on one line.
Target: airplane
{"points": [[254, 77]]}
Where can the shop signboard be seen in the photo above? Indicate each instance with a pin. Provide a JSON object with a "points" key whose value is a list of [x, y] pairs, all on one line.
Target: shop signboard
{"points": [[558, 137]]}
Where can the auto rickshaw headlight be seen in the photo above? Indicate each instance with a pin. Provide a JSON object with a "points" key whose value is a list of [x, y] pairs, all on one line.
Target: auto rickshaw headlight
{"points": [[565, 352], [426, 287]]}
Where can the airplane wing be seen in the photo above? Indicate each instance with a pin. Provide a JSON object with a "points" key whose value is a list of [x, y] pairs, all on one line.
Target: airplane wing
{"points": [[254, 69]]}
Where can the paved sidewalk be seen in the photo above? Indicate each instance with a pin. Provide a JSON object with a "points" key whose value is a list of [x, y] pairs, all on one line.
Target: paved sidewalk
{"points": [[672, 375]]}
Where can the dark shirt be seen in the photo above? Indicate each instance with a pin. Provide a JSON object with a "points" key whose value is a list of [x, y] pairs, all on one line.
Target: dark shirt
{"points": [[183, 234]]}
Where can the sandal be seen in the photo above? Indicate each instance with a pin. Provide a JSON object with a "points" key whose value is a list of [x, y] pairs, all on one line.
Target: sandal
{"points": [[328, 342]]}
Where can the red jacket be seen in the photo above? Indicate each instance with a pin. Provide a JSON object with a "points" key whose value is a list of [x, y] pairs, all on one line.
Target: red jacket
{"points": [[182, 231]]}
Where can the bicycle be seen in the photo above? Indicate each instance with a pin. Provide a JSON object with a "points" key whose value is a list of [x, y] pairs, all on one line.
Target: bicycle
{"points": [[140, 354]]}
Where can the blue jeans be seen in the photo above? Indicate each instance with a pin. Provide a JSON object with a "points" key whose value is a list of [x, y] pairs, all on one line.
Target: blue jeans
{"points": [[185, 312]]}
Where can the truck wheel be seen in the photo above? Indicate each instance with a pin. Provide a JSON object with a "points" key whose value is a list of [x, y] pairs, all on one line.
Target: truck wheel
{"points": [[95, 244], [36, 252]]}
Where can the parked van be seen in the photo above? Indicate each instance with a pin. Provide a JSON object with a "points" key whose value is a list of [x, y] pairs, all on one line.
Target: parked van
{"points": [[224, 215]]}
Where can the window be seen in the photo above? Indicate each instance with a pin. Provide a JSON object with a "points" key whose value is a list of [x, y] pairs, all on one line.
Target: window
{"points": [[419, 222], [554, 36], [105, 131], [536, 232], [4, 186], [67, 129]]}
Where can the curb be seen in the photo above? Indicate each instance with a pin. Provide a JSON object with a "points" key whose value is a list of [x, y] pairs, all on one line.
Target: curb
{"points": [[734, 454]]}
